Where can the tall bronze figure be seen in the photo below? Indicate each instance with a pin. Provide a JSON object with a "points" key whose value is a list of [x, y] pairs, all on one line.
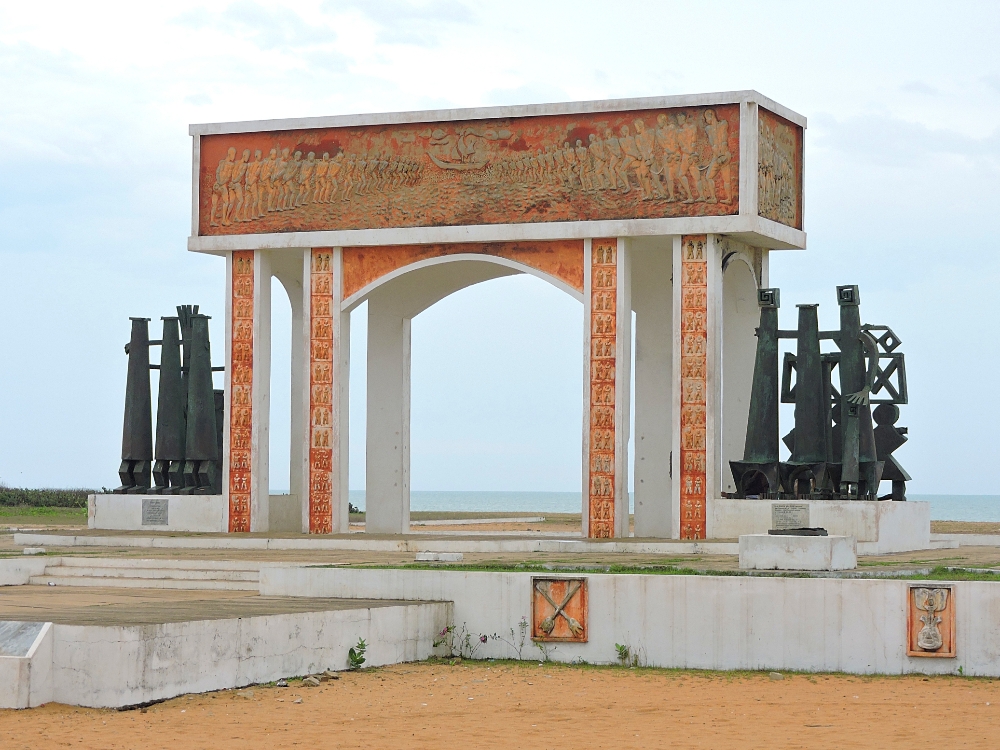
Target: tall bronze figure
{"points": [[757, 474], [201, 453], [170, 410], [137, 430]]}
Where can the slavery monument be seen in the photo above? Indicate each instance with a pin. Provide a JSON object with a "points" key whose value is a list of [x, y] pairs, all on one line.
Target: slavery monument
{"points": [[662, 210]]}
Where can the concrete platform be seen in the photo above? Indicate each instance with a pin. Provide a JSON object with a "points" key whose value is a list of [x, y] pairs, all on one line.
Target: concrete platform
{"points": [[113, 648], [780, 552]]}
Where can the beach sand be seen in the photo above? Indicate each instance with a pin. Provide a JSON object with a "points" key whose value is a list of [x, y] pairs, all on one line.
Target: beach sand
{"points": [[524, 705]]}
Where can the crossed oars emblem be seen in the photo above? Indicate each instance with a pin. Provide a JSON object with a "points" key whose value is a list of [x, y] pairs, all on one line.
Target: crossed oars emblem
{"points": [[549, 623]]}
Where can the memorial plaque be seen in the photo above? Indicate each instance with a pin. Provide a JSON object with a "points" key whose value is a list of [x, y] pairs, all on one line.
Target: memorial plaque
{"points": [[930, 621], [154, 511], [790, 516], [559, 609]]}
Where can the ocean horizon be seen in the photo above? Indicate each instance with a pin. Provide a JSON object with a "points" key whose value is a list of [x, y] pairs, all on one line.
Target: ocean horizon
{"points": [[943, 507]]}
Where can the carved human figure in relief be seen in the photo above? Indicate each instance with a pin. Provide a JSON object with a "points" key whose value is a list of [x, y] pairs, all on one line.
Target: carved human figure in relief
{"points": [[668, 151], [687, 138], [645, 156], [220, 191], [252, 200], [718, 137], [236, 189], [304, 187], [617, 164], [598, 161]]}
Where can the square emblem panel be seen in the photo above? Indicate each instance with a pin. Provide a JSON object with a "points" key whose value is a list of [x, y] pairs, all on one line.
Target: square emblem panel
{"points": [[559, 609], [930, 622]]}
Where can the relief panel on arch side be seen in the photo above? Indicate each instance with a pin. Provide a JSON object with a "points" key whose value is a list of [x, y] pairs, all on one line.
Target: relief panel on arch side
{"points": [[321, 441], [603, 348], [694, 385], [642, 164], [560, 259], [241, 391], [779, 169]]}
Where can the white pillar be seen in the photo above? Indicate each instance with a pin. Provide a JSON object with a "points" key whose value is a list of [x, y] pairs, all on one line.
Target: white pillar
{"points": [[260, 491], [387, 481], [652, 301]]}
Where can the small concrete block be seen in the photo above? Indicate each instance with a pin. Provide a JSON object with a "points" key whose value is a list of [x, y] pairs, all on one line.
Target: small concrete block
{"points": [[34, 550], [776, 676], [767, 552], [439, 557], [311, 681]]}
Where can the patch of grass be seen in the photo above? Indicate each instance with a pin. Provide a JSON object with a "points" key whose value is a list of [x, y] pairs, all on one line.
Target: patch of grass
{"points": [[938, 573]]}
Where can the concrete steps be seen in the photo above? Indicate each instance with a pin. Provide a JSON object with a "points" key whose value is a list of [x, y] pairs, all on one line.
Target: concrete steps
{"points": [[155, 574]]}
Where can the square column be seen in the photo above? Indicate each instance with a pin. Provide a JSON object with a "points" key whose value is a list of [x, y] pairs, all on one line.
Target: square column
{"points": [[607, 362], [248, 364], [326, 508], [697, 380]]}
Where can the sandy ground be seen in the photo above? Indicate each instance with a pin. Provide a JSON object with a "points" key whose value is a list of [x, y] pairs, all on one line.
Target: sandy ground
{"points": [[482, 705]]}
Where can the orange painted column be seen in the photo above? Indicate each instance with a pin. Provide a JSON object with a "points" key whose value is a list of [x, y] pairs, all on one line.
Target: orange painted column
{"points": [[695, 345], [606, 405], [239, 391], [327, 510]]}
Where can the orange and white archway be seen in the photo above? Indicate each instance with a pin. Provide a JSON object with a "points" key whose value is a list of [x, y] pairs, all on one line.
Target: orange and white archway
{"points": [[664, 207]]}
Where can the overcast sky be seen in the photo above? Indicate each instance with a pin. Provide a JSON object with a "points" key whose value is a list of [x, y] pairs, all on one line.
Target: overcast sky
{"points": [[902, 186]]}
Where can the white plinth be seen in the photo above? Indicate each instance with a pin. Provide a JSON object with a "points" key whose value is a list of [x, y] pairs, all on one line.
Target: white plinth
{"points": [[881, 527], [780, 552], [205, 513]]}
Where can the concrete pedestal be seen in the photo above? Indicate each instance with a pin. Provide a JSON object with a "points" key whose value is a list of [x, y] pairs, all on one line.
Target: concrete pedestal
{"points": [[779, 552], [881, 528]]}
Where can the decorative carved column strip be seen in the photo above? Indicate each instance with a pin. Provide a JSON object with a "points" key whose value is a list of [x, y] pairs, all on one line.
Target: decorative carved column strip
{"points": [[694, 384], [241, 390], [603, 327], [321, 368]]}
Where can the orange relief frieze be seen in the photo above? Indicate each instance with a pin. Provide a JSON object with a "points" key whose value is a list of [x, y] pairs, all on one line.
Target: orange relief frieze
{"points": [[603, 326], [779, 169], [241, 391], [613, 165], [321, 392], [694, 362], [561, 259]]}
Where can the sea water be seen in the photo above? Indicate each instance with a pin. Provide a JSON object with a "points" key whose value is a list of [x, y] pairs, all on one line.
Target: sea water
{"points": [[943, 507]]}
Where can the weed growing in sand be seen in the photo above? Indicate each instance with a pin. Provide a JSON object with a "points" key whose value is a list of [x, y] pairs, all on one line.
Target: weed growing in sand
{"points": [[460, 642], [516, 642], [356, 655], [630, 657]]}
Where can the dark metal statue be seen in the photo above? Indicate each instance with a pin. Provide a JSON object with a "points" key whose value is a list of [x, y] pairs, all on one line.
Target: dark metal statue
{"points": [[137, 431], [189, 413], [835, 451]]}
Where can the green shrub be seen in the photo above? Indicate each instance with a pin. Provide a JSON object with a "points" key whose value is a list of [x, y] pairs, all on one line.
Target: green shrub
{"points": [[12, 497]]}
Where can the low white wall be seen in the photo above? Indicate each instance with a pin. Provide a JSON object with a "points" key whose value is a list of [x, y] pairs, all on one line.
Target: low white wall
{"points": [[284, 514], [701, 622], [125, 665], [26, 681], [206, 513], [881, 527], [15, 571]]}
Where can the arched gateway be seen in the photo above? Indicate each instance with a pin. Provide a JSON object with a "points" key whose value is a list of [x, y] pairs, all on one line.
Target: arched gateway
{"points": [[666, 207]]}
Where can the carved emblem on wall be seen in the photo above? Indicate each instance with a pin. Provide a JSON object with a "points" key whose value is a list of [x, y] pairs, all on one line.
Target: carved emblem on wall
{"points": [[241, 391], [694, 344], [641, 164], [603, 327], [559, 609], [931, 621], [779, 170], [321, 280]]}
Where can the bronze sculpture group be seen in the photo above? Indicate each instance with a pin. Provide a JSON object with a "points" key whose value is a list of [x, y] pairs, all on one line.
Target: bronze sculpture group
{"points": [[836, 451]]}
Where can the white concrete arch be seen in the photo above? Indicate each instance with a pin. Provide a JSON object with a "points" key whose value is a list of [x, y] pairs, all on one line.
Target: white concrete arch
{"points": [[514, 266], [740, 316], [393, 301]]}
